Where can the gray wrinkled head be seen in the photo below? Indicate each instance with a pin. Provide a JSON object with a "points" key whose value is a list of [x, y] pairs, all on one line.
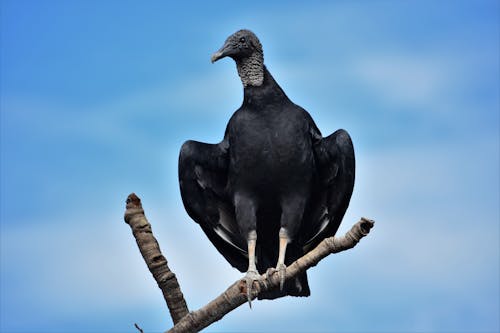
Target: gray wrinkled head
{"points": [[246, 50], [241, 44]]}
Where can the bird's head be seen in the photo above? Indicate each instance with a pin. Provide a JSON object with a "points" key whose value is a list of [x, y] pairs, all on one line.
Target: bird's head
{"points": [[245, 49], [239, 46]]}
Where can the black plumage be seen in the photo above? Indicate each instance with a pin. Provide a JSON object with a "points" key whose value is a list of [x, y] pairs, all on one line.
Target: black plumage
{"points": [[274, 187]]}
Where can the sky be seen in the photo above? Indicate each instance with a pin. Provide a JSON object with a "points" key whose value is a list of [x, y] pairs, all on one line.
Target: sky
{"points": [[96, 98]]}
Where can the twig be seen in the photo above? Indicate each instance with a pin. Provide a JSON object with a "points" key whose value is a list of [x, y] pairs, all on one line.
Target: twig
{"points": [[235, 295], [138, 328], [156, 262]]}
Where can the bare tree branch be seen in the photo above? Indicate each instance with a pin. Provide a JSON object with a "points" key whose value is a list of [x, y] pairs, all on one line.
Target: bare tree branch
{"points": [[156, 262], [235, 295]]}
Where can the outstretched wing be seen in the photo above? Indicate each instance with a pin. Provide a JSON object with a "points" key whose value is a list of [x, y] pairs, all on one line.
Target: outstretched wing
{"points": [[335, 165], [203, 179]]}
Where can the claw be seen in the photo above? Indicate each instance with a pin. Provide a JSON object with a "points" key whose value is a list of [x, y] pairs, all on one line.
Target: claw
{"points": [[249, 278], [282, 274], [249, 283]]}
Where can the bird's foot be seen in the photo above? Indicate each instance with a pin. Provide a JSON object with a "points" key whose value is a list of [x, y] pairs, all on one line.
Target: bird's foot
{"points": [[250, 277], [281, 268]]}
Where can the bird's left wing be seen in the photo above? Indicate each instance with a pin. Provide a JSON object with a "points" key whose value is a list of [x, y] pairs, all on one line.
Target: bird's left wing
{"points": [[203, 179], [335, 166]]}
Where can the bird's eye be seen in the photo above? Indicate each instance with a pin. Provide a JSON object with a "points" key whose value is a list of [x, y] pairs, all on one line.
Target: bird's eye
{"points": [[242, 39]]}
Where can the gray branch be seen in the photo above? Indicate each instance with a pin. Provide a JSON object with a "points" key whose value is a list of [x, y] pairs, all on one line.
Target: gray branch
{"points": [[156, 262], [236, 294]]}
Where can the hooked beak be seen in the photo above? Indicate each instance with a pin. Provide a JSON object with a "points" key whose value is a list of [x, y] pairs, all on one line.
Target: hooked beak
{"points": [[224, 51], [216, 56]]}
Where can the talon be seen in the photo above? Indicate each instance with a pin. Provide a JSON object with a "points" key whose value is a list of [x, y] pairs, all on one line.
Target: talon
{"points": [[282, 274], [249, 278], [249, 283]]}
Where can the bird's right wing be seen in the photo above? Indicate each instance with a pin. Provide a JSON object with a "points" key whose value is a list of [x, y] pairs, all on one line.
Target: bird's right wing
{"points": [[203, 179]]}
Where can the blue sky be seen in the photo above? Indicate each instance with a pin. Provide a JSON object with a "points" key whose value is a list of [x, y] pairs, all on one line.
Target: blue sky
{"points": [[97, 97]]}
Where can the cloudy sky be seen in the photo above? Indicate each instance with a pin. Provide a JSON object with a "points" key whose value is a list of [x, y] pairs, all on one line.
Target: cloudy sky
{"points": [[98, 96]]}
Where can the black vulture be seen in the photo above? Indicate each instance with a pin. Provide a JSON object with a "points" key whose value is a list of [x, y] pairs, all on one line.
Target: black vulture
{"points": [[274, 187]]}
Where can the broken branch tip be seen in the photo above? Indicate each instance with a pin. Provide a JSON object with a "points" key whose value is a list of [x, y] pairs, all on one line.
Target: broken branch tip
{"points": [[133, 201]]}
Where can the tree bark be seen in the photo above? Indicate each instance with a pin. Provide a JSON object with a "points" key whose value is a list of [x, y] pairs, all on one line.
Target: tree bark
{"points": [[156, 262]]}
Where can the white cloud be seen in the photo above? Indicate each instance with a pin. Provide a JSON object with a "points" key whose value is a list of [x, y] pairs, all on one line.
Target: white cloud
{"points": [[405, 80], [437, 215]]}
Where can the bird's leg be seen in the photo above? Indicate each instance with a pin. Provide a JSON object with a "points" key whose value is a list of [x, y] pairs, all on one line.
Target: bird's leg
{"points": [[292, 209], [280, 266], [252, 273], [252, 241], [246, 218]]}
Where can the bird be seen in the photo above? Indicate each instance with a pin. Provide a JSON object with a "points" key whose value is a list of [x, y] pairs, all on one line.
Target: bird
{"points": [[274, 187]]}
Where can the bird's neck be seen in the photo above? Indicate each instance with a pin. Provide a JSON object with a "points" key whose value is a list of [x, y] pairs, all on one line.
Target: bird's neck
{"points": [[268, 92], [251, 70]]}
